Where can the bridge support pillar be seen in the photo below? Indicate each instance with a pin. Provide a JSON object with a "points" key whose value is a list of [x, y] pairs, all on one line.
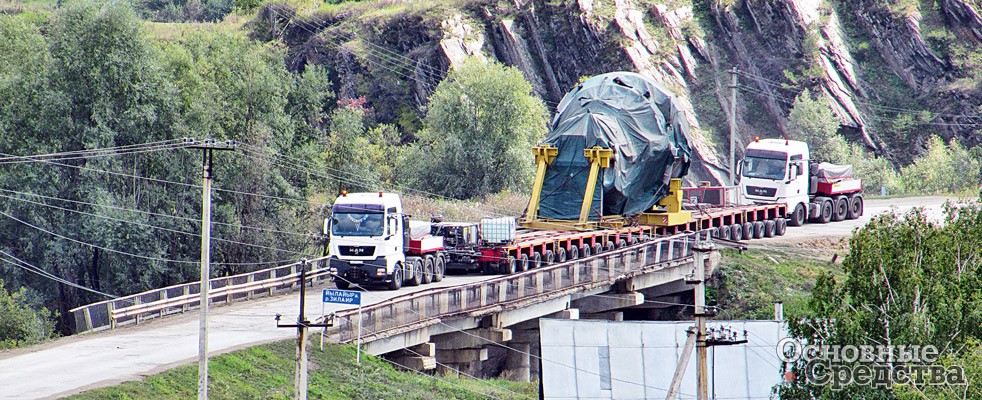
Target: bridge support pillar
{"points": [[518, 366]]}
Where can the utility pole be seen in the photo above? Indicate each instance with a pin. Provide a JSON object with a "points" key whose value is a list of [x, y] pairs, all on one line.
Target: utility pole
{"points": [[208, 146], [702, 388], [300, 379], [733, 92]]}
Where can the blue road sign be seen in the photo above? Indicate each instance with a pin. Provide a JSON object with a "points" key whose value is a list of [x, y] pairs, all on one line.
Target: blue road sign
{"points": [[342, 296]]}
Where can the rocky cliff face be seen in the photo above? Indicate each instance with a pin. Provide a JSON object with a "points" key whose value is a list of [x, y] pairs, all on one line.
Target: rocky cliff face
{"points": [[394, 53]]}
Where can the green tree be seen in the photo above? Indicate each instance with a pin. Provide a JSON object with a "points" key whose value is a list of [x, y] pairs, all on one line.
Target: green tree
{"points": [[481, 123], [22, 323], [813, 122], [943, 168], [906, 281]]}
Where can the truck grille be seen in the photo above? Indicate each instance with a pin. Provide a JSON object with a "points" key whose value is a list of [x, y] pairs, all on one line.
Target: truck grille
{"points": [[761, 191], [357, 251]]}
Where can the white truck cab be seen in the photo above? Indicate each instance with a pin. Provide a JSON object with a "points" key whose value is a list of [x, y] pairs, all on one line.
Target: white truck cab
{"points": [[373, 242], [776, 171]]}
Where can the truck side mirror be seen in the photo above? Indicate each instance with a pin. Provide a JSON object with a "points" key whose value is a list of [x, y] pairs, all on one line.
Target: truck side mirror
{"points": [[327, 226], [739, 167]]}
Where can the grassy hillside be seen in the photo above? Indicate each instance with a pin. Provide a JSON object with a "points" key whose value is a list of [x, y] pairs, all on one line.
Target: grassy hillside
{"points": [[746, 285], [266, 372]]}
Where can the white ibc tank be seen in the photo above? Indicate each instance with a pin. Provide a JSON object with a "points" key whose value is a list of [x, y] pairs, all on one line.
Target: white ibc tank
{"points": [[498, 230]]}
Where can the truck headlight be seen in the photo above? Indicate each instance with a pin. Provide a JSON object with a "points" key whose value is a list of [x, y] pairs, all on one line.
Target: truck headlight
{"points": [[380, 271]]}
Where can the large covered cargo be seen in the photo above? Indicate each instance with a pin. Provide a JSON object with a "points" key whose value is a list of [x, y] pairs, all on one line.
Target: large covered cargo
{"points": [[635, 118]]}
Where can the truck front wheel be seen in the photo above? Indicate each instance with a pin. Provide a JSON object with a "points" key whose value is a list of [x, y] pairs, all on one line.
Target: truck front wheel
{"points": [[396, 278], [797, 218], [341, 283]]}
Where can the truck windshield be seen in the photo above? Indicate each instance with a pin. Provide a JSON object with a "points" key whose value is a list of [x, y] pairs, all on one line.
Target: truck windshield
{"points": [[764, 168], [357, 224]]}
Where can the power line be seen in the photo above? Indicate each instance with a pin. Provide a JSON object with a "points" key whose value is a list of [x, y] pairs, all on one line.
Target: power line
{"points": [[47, 275], [76, 241], [100, 152], [194, 220], [146, 225]]}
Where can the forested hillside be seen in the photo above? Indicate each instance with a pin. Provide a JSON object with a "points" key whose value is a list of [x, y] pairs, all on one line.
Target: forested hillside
{"points": [[437, 99]]}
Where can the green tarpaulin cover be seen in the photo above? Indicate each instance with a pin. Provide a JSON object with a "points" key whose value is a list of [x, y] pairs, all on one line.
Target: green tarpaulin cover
{"points": [[636, 118]]}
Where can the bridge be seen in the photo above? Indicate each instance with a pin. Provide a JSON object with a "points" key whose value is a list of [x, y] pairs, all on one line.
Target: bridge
{"points": [[452, 328]]}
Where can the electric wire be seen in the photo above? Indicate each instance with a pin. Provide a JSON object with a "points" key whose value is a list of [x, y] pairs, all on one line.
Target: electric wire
{"points": [[131, 222], [95, 153], [157, 259], [195, 220], [45, 274]]}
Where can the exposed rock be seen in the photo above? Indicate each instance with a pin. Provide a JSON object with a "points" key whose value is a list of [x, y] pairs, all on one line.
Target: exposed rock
{"points": [[963, 20], [461, 40]]}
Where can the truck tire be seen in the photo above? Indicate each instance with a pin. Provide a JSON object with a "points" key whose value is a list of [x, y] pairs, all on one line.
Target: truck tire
{"points": [[610, 246], [585, 251], [758, 229], [396, 278], [748, 230], [840, 207], [855, 207], [574, 253], [523, 263], [725, 233], [439, 268], [825, 212], [341, 283], [770, 228], [598, 248], [797, 217], [781, 226], [621, 244], [417, 278], [549, 258], [560, 255], [536, 261], [427, 270], [509, 267], [736, 232], [714, 233]]}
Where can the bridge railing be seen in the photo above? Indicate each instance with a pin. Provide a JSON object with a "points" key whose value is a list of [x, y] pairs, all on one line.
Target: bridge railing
{"points": [[423, 307], [175, 299]]}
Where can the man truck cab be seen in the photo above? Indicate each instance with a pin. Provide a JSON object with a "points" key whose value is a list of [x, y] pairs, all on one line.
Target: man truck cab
{"points": [[781, 171], [373, 242]]}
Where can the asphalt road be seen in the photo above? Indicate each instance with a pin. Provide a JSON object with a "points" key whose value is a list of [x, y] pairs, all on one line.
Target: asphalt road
{"points": [[933, 207], [74, 364]]}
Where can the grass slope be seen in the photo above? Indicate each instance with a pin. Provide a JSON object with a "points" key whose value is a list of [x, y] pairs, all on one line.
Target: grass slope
{"points": [[746, 285], [266, 372]]}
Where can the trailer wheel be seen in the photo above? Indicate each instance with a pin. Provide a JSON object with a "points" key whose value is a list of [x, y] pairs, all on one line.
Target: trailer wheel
{"points": [[536, 261], [610, 246], [855, 207], [725, 233], [549, 258], [798, 216], [758, 229], [341, 283], [825, 213], [840, 208], [523, 263], [585, 251], [560, 255], [736, 232], [781, 226], [439, 268], [748, 230], [509, 267], [574, 253], [621, 244], [714, 233], [598, 248], [396, 278], [769, 228]]}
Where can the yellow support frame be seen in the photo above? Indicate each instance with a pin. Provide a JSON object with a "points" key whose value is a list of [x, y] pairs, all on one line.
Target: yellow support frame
{"points": [[599, 158], [544, 155], [671, 213]]}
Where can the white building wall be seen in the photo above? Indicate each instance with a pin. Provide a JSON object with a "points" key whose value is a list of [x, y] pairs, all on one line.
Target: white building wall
{"points": [[594, 359]]}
